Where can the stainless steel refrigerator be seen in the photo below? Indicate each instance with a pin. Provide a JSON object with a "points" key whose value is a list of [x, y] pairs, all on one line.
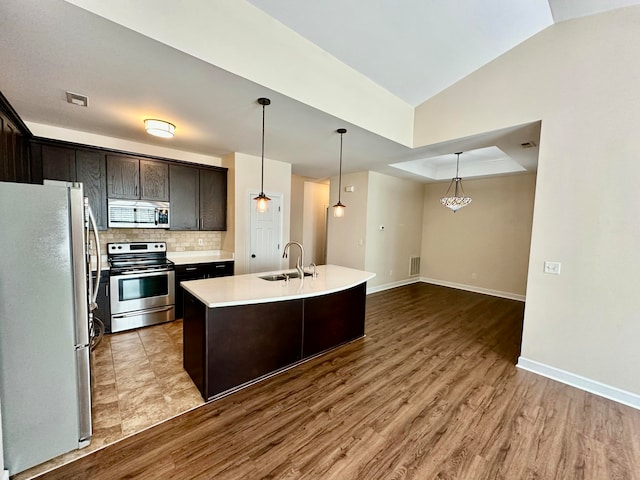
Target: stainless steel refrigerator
{"points": [[46, 296]]}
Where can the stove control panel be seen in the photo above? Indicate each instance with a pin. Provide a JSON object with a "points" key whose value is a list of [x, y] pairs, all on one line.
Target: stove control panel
{"points": [[136, 247]]}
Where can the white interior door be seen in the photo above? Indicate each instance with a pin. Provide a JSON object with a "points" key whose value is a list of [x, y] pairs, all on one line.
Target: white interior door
{"points": [[265, 231]]}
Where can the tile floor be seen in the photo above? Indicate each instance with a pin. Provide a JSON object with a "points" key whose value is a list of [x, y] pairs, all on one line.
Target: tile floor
{"points": [[137, 380]]}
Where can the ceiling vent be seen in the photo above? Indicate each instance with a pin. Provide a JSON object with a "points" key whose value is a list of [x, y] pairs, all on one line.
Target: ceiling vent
{"points": [[528, 145], [77, 99]]}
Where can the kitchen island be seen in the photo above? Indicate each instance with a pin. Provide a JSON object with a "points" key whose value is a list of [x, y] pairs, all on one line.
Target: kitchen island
{"points": [[240, 329]]}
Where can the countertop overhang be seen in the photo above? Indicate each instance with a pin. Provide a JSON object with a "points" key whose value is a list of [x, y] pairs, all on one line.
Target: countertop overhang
{"points": [[251, 289]]}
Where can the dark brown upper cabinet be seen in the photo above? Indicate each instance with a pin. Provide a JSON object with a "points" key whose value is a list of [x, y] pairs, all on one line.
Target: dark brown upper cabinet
{"points": [[154, 180], [74, 165], [198, 198], [123, 177], [91, 171], [184, 192], [137, 179], [14, 152], [213, 199], [58, 163]]}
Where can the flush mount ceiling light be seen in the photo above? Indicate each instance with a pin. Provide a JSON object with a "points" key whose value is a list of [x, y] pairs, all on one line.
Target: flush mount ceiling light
{"points": [[459, 199], [159, 128], [262, 200], [338, 208]]}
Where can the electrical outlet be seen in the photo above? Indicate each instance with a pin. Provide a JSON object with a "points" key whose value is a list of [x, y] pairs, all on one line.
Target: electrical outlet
{"points": [[474, 276], [552, 267], [200, 241]]}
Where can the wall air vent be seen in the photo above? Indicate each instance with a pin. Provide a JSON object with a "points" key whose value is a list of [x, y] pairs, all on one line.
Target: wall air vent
{"points": [[77, 99], [414, 266], [528, 145]]}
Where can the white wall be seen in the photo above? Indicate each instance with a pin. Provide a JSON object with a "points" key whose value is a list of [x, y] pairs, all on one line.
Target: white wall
{"points": [[86, 138], [277, 180], [263, 50], [582, 79]]}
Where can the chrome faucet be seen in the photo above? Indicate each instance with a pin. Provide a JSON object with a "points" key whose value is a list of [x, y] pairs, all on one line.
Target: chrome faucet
{"points": [[300, 258]]}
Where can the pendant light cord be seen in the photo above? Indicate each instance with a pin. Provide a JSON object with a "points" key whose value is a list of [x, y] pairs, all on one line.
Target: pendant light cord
{"points": [[262, 170], [340, 176]]}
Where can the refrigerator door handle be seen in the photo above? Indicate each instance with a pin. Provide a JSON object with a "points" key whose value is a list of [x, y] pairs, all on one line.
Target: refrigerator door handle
{"points": [[93, 288], [84, 396]]}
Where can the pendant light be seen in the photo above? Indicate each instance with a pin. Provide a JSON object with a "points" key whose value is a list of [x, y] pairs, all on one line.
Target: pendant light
{"points": [[459, 199], [338, 208], [262, 200]]}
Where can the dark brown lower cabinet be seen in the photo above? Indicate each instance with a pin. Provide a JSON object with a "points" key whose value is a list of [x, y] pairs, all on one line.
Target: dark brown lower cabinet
{"points": [[226, 348], [333, 319]]}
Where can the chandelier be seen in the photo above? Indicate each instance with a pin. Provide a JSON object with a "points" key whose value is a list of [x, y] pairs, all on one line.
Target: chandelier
{"points": [[459, 199]]}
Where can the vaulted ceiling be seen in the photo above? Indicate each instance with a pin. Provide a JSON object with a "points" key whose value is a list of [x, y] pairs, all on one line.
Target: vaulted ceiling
{"points": [[363, 65]]}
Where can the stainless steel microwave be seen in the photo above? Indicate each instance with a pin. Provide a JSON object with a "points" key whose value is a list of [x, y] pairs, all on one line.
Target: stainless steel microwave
{"points": [[137, 214]]}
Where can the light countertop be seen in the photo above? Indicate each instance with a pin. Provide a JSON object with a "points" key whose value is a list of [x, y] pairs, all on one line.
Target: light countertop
{"points": [[204, 256], [250, 289]]}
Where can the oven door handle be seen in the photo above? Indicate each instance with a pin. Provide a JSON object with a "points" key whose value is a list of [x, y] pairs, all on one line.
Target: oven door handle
{"points": [[142, 273], [146, 310]]}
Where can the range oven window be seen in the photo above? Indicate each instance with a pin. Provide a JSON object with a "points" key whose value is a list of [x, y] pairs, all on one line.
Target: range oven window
{"points": [[142, 287]]}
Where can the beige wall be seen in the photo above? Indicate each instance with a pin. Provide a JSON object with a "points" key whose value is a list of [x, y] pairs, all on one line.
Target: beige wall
{"points": [[297, 209], [314, 225], [582, 79], [277, 180], [229, 237], [356, 240], [484, 246], [346, 236], [396, 204], [309, 200]]}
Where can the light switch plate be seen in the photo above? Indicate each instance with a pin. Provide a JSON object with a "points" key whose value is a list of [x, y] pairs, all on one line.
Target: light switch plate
{"points": [[552, 267]]}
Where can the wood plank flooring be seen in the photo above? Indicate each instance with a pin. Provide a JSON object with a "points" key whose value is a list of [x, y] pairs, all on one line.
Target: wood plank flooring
{"points": [[432, 392]]}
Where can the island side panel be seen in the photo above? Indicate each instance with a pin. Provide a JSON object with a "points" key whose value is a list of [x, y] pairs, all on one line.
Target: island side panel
{"points": [[247, 342], [333, 319], [194, 344]]}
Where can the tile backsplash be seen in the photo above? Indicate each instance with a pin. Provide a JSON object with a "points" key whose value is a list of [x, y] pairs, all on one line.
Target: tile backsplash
{"points": [[177, 241]]}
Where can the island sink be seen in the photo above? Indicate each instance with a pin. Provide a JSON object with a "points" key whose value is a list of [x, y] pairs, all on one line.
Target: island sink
{"points": [[282, 276]]}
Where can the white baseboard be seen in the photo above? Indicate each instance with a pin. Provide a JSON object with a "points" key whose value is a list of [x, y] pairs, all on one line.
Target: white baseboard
{"points": [[583, 383], [5, 475], [387, 286], [472, 288]]}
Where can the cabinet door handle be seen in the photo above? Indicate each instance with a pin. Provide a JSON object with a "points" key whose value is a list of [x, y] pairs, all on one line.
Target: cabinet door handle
{"points": [[190, 269], [220, 266]]}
